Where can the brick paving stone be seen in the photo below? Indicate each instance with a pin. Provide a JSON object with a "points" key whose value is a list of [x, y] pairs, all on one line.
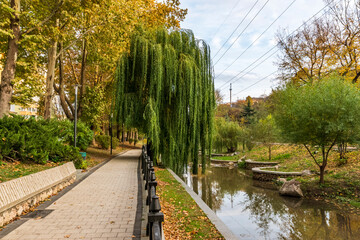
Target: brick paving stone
{"points": [[102, 206]]}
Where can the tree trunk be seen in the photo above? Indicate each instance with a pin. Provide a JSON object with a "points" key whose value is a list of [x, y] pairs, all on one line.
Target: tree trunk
{"points": [[123, 134], [68, 112], [323, 165], [342, 148], [118, 131], [322, 172], [82, 76], [269, 152], [8, 74], [50, 79]]}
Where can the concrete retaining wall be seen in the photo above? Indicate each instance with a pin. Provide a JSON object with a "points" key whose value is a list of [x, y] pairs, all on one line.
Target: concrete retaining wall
{"points": [[264, 175], [250, 164], [19, 195]]}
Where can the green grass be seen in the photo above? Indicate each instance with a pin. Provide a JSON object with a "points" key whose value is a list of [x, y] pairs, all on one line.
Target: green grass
{"points": [[227, 158], [280, 169], [10, 170], [281, 157], [183, 217]]}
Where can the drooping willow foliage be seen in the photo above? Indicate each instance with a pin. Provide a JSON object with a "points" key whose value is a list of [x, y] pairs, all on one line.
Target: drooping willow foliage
{"points": [[165, 89]]}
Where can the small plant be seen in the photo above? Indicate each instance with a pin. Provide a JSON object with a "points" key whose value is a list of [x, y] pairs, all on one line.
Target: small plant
{"points": [[131, 140], [115, 143], [242, 164], [103, 141], [80, 163]]}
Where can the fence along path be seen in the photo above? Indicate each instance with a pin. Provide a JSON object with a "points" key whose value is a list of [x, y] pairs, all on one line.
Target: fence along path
{"points": [[102, 206]]}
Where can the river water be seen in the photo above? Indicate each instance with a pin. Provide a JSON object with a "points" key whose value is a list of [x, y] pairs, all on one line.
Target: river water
{"points": [[254, 212]]}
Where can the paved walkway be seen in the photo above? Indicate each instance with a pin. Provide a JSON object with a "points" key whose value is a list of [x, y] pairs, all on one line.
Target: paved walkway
{"points": [[102, 206]]}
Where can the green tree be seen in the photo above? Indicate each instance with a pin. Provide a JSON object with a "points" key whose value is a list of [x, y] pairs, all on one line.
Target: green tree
{"points": [[248, 110], [266, 132], [227, 134], [319, 114], [165, 89]]}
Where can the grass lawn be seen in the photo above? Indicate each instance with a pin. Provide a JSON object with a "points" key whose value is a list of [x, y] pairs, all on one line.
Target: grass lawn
{"points": [[95, 156], [11, 170], [183, 217], [227, 158]]}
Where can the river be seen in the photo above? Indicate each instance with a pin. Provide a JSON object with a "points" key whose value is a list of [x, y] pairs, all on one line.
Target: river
{"points": [[254, 212]]}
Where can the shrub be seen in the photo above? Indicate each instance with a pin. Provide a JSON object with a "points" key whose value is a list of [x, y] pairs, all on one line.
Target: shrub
{"points": [[131, 140], [34, 140], [242, 164], [103, 141], [115, 142], [65, 130], [80, 163]]}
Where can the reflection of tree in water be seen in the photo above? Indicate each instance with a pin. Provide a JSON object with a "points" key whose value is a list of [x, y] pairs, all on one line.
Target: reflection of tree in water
{"points": [[311, 222], [295, 218], [263, 209]]}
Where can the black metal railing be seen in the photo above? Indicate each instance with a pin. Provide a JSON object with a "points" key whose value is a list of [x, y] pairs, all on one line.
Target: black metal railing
{"points": [[155, 217]]}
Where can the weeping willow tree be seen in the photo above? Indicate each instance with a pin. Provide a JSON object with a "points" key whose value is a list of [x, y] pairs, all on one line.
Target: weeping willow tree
{"points": [[165, 88]]}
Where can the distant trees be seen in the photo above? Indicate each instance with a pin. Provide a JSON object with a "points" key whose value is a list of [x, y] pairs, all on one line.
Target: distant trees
{"points": [[328, 44], [320, 115]]}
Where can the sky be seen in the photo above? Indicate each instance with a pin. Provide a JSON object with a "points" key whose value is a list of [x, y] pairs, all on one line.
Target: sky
{"points": [[214, 21]]}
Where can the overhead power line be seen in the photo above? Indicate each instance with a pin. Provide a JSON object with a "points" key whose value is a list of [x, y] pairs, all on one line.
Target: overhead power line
{"points": [[229, 14], [256, 38], [275, 51], [264, 78], [242, 71], [242, 31], [236, 28]]}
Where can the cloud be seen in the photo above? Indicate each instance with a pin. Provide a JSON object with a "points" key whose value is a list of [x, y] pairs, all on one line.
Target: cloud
{"points": [[205, 17]]}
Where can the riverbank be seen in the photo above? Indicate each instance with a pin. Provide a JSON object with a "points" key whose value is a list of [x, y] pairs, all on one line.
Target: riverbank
{"points": [[183, 217], [342, 178]]}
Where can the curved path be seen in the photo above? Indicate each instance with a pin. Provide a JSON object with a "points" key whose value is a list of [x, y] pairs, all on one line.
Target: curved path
{"points": [[102, 206]]}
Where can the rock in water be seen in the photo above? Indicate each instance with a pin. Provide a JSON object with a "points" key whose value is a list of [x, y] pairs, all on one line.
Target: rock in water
{"points": [[291, 188]]}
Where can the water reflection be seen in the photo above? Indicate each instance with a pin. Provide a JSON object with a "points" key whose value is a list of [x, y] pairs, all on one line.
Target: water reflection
{"points": [[252, 212]]}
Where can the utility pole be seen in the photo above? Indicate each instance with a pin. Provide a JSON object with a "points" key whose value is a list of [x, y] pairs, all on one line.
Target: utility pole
{"points": [[230, 94]]}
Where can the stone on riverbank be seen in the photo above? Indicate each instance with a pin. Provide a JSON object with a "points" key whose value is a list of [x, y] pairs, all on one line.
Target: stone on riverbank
{"points": [[291, 188]]}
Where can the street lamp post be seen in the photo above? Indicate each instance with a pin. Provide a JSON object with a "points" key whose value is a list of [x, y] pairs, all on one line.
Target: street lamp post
{"points": [[111, 133], [75, 113]]}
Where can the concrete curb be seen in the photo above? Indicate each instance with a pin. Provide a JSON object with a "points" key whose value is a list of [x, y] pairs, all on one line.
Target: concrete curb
{"points": [[223, 229]]}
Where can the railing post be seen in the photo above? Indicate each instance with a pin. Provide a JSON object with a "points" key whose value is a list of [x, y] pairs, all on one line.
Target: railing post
{"points": [[155, 218], [144, 156], [147, 172], [152, 187]]}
